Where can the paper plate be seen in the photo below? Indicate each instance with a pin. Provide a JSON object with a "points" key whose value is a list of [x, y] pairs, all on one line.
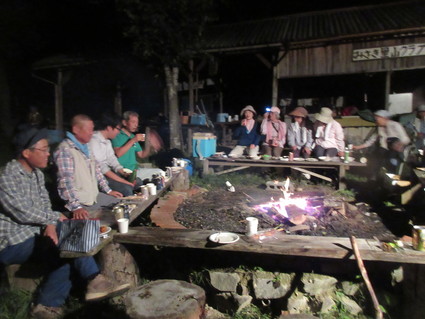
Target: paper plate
{"points": [[350, 159], [127, 171], [324, 158], [299, 159], [311, 159], [105, 233], [223, 238]]}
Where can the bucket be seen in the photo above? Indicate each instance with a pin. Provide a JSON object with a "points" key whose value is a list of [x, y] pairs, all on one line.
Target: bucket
{"points": [[221, 117]]}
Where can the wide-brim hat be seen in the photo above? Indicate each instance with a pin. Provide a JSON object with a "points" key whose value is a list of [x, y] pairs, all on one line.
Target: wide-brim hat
{"points": [[248, 108], [299, 111], [28, 138], [383, 113], [325, 115]]}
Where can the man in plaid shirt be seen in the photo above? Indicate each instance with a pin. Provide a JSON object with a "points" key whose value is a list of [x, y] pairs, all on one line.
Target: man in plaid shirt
{"points": [[28, 229], [79, 175]]}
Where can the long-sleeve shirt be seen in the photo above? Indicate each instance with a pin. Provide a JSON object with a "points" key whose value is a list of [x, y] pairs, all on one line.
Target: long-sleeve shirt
{"points": [[104, 153], [24, 204], [299, 136], [245, 137], [392, 129], [274, 131], [330, 136], [66, 168]]}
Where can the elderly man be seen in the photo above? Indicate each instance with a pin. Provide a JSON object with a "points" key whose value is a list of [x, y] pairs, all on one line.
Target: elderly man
{"points": [[392, 140], [79, 175], [108, 126], [28, 228]]}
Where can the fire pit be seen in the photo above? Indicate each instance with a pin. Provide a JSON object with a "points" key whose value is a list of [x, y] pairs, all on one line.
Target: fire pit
{"points": [[316, 211]]}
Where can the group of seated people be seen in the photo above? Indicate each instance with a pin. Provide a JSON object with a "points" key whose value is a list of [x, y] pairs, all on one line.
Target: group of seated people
{"points": [[324, 136], [90, 174]]}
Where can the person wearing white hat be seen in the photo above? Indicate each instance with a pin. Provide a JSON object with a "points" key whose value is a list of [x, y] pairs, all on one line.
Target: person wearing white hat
{"points": [[246, 134], [274, 131], [392, 139], [328, 134], [414, 123]]}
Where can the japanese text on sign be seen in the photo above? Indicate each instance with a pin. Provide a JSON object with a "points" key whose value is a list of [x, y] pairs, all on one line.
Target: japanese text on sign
{"points": [[397, 51]]}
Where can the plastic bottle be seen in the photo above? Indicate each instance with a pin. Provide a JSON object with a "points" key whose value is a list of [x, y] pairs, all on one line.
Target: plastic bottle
{"points": [[346, 155]]}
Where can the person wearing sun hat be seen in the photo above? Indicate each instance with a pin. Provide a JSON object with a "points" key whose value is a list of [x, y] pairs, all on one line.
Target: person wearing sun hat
{"points": [[392, 140], [328, 135], [300, 137], [274, 131], [246, 134], [28, 228]]}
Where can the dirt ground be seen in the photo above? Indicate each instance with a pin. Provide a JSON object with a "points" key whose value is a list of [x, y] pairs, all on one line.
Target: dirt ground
{"points": [[328, 214]]}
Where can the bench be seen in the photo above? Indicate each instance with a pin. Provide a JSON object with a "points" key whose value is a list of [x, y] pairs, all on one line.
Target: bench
{"points": [[275, 243], [302, 166]]}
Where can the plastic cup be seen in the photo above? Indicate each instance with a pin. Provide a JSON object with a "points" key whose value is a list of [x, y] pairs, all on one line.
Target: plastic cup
{"points": [[123, 225], [252, 227], [151, 188]]}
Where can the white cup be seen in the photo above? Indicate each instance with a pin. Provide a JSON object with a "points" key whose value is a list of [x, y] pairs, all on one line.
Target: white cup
{"points": [[151, 188], [123, 225], [144, 189], [252, 226]]}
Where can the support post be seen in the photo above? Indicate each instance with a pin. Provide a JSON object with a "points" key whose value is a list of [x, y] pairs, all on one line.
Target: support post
{"points": [[59, 101]]}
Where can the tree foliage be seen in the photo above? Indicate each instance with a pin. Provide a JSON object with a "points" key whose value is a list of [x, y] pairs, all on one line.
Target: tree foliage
{"points": [[167, 31]]}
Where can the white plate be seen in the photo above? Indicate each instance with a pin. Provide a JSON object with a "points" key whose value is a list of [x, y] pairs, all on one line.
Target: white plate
{"points": [[224, 238], [299, 159], [324, 158], [311, 159], [105, 233], [127, 171]]}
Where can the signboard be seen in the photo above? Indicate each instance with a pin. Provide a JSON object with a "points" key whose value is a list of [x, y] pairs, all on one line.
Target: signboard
{"points": [[388, 52], [400, 103]]}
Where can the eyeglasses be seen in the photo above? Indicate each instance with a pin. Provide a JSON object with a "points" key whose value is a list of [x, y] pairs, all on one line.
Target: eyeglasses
{"points": [[117, 128], [44, 150]]}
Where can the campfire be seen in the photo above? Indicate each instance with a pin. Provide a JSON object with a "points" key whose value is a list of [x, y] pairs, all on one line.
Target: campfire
{"points": [[290, 208]]}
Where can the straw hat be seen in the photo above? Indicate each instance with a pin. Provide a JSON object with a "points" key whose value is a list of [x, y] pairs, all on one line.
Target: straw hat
{"points": [[299, 111], [325, 115], [248, 108], [383, 113]]}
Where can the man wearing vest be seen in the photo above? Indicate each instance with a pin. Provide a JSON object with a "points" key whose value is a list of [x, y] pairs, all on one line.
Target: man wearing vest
{"points": [[79, 175]]}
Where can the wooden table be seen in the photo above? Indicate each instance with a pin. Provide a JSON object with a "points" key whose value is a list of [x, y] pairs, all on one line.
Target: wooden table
{"points": [[106, 217], [301, 166], [276, 244]]}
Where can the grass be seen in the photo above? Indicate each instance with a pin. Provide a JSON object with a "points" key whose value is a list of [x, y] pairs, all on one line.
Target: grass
{"points": [[15, 304], [236, 179]]}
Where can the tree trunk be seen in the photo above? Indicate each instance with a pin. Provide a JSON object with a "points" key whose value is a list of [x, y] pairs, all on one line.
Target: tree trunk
{"points": [[171, 78]]}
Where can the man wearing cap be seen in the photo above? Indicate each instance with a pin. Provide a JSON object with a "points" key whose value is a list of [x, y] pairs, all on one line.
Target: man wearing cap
{"points": [[392, 139], [246, 134], [328, 134], [414, 124], [28, 228], [79, 175], [274, 131], [300, 137]]}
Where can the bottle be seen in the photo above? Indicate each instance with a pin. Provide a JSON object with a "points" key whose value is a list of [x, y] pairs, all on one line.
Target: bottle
{"points": [[346, 155]]}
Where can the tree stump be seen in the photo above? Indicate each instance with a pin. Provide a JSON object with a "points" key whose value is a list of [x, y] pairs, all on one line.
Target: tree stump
{"points": [[116, 262], [166, 299]]}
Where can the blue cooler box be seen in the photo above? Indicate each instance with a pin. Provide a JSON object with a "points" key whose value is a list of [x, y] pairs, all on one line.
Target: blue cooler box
{"points": [[203, 144], [198, 119]]}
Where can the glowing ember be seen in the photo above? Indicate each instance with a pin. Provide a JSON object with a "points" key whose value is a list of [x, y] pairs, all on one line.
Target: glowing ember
{"points": [[280, 205]]}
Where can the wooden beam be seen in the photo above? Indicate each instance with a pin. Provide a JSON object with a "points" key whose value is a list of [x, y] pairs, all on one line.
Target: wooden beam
{"points": [[312, 173], [264, 60], [231, 170]]}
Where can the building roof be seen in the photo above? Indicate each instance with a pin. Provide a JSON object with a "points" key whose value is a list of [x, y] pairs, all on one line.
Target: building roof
{"points": [[406, 18]]}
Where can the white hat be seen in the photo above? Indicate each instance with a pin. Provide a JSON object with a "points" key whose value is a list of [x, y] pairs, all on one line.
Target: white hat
{"points": [[275, 109], [421, 108], [325, 115], [248, 108], [383, 113]]}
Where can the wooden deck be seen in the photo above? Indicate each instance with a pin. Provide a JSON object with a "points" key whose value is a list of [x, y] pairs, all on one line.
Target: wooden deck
{"points": [[275, 244]]}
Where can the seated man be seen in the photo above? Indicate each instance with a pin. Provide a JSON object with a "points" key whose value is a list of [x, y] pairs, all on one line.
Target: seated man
{"points": [[127, 148], [108, 127], [414, 123], [28, 228], [79, 175]]}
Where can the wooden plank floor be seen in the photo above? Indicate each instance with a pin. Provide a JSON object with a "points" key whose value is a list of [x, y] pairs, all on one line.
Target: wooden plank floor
{"points": [[277, 244]]}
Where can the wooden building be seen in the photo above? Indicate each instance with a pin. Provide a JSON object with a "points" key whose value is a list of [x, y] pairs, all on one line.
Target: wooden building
{"points": [[385, 39]]}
